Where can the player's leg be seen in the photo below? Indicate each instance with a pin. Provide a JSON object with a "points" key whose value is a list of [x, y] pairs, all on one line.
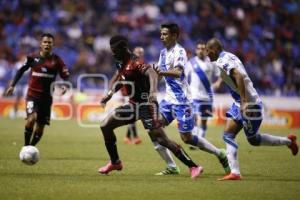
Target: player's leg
{"points": [[30, 121], [38, 133], [128, 138], [232, 128], [252, 121], [165, 154], [120, 116], [43, 110], [31, 112], [136, 138], [203, 127], [185, 121]]}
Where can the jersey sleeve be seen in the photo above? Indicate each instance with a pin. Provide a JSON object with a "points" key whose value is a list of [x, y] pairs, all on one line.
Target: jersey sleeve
{"points": [[27, 64], [225, 65], [180, 58], [63, 70]]}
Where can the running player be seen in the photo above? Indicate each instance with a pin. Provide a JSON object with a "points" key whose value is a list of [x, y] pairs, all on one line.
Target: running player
{"points": [[246, 111], [142, 105], [177, 101], [44, 67], [200, 73]]}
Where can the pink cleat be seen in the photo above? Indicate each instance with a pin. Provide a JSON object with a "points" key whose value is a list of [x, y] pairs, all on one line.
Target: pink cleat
{"points": [[293, 146], [196, 171], [110, 167]]}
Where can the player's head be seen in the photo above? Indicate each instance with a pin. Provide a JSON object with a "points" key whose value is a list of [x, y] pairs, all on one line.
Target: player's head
{"points": [[119, 46], [169, 34], [139, 52], [200, 49], [47, 43], [213, 48]]}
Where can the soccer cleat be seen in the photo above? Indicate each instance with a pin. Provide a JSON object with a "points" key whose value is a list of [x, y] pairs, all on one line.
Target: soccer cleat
{"points": [[127, 140], [224, 161], [231, 177], [293, 146], [137, 140], [196, 171], [110, 167], [169, 171]]}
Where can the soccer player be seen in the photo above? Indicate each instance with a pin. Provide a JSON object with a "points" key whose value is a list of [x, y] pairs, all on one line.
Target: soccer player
{"points": [[131, 135], [246, 111], [200, 73], [44, 67], [177, 101], [142, 105]]}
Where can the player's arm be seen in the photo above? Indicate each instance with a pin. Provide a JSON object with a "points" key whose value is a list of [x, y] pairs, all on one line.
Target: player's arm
{"points": [[176, 72], [153, 78], [217, 84], [112, 88], [239, 79], [17, 77]]}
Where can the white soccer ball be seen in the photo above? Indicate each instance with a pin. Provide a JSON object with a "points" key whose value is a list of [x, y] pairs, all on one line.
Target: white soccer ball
{"points": [[29, 155]]}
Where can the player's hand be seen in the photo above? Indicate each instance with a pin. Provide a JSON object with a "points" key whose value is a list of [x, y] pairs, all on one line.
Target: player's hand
{"points": [[157, 70], [106, 98], [152, 97], [9, 91]]}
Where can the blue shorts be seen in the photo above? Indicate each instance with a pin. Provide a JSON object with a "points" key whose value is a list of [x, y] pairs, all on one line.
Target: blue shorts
{"points": [[183, 113], [202, 108], [250, 123]]}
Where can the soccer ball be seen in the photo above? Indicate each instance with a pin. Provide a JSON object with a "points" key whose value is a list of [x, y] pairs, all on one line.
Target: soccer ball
{"points": [[29, 155]]}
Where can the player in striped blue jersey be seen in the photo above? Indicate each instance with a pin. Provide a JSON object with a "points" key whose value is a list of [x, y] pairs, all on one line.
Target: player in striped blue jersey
{"points": [[176, 103], [200, 73], [246, 111]]}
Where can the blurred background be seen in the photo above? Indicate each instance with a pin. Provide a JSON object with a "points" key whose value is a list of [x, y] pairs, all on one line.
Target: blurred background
{"points": [[265, 34]]}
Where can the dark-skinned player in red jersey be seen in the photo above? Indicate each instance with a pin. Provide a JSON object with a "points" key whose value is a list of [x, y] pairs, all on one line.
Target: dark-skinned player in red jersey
{"points": [[44, 67], [142, 105]]}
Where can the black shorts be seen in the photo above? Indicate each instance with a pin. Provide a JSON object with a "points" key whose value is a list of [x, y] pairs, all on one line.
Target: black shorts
{"points": [[40, 106], [146, 112]]}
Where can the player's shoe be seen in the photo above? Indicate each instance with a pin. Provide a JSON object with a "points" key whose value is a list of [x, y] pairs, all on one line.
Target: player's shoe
{"points": [[127, 140], [137, 140], [231, 177], [224, 161], [196, 171], [169, 171], [293, 146], [110, 167]]}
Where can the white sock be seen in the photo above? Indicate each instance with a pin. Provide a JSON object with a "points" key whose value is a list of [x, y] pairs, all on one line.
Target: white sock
{"points": [[202, 132], [195, 130], [231, 149], [271, 140], [205, 145], [165, 154]]}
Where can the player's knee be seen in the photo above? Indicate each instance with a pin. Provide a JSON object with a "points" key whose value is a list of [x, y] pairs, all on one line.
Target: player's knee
{"points": [[31, 121], [186, 138], [254, 141]]}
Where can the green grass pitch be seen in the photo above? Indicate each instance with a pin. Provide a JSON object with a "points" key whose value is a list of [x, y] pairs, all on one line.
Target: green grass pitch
{"points": [[71, 156]]}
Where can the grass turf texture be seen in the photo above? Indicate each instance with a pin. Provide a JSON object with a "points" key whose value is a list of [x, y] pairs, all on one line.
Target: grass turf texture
{"points": [[71, 156]]}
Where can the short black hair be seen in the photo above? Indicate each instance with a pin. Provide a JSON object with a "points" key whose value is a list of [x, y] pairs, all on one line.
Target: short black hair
{"points": [[200, 41], [173, 28], [118, 41], [49, 35]]}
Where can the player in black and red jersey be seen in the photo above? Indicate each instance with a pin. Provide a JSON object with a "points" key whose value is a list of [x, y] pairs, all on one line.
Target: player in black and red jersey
{"points": [[44, 67], [142, 105]]}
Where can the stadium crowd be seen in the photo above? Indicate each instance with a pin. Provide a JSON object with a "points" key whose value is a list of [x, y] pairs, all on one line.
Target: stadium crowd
{"points": [[265, 34]]}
